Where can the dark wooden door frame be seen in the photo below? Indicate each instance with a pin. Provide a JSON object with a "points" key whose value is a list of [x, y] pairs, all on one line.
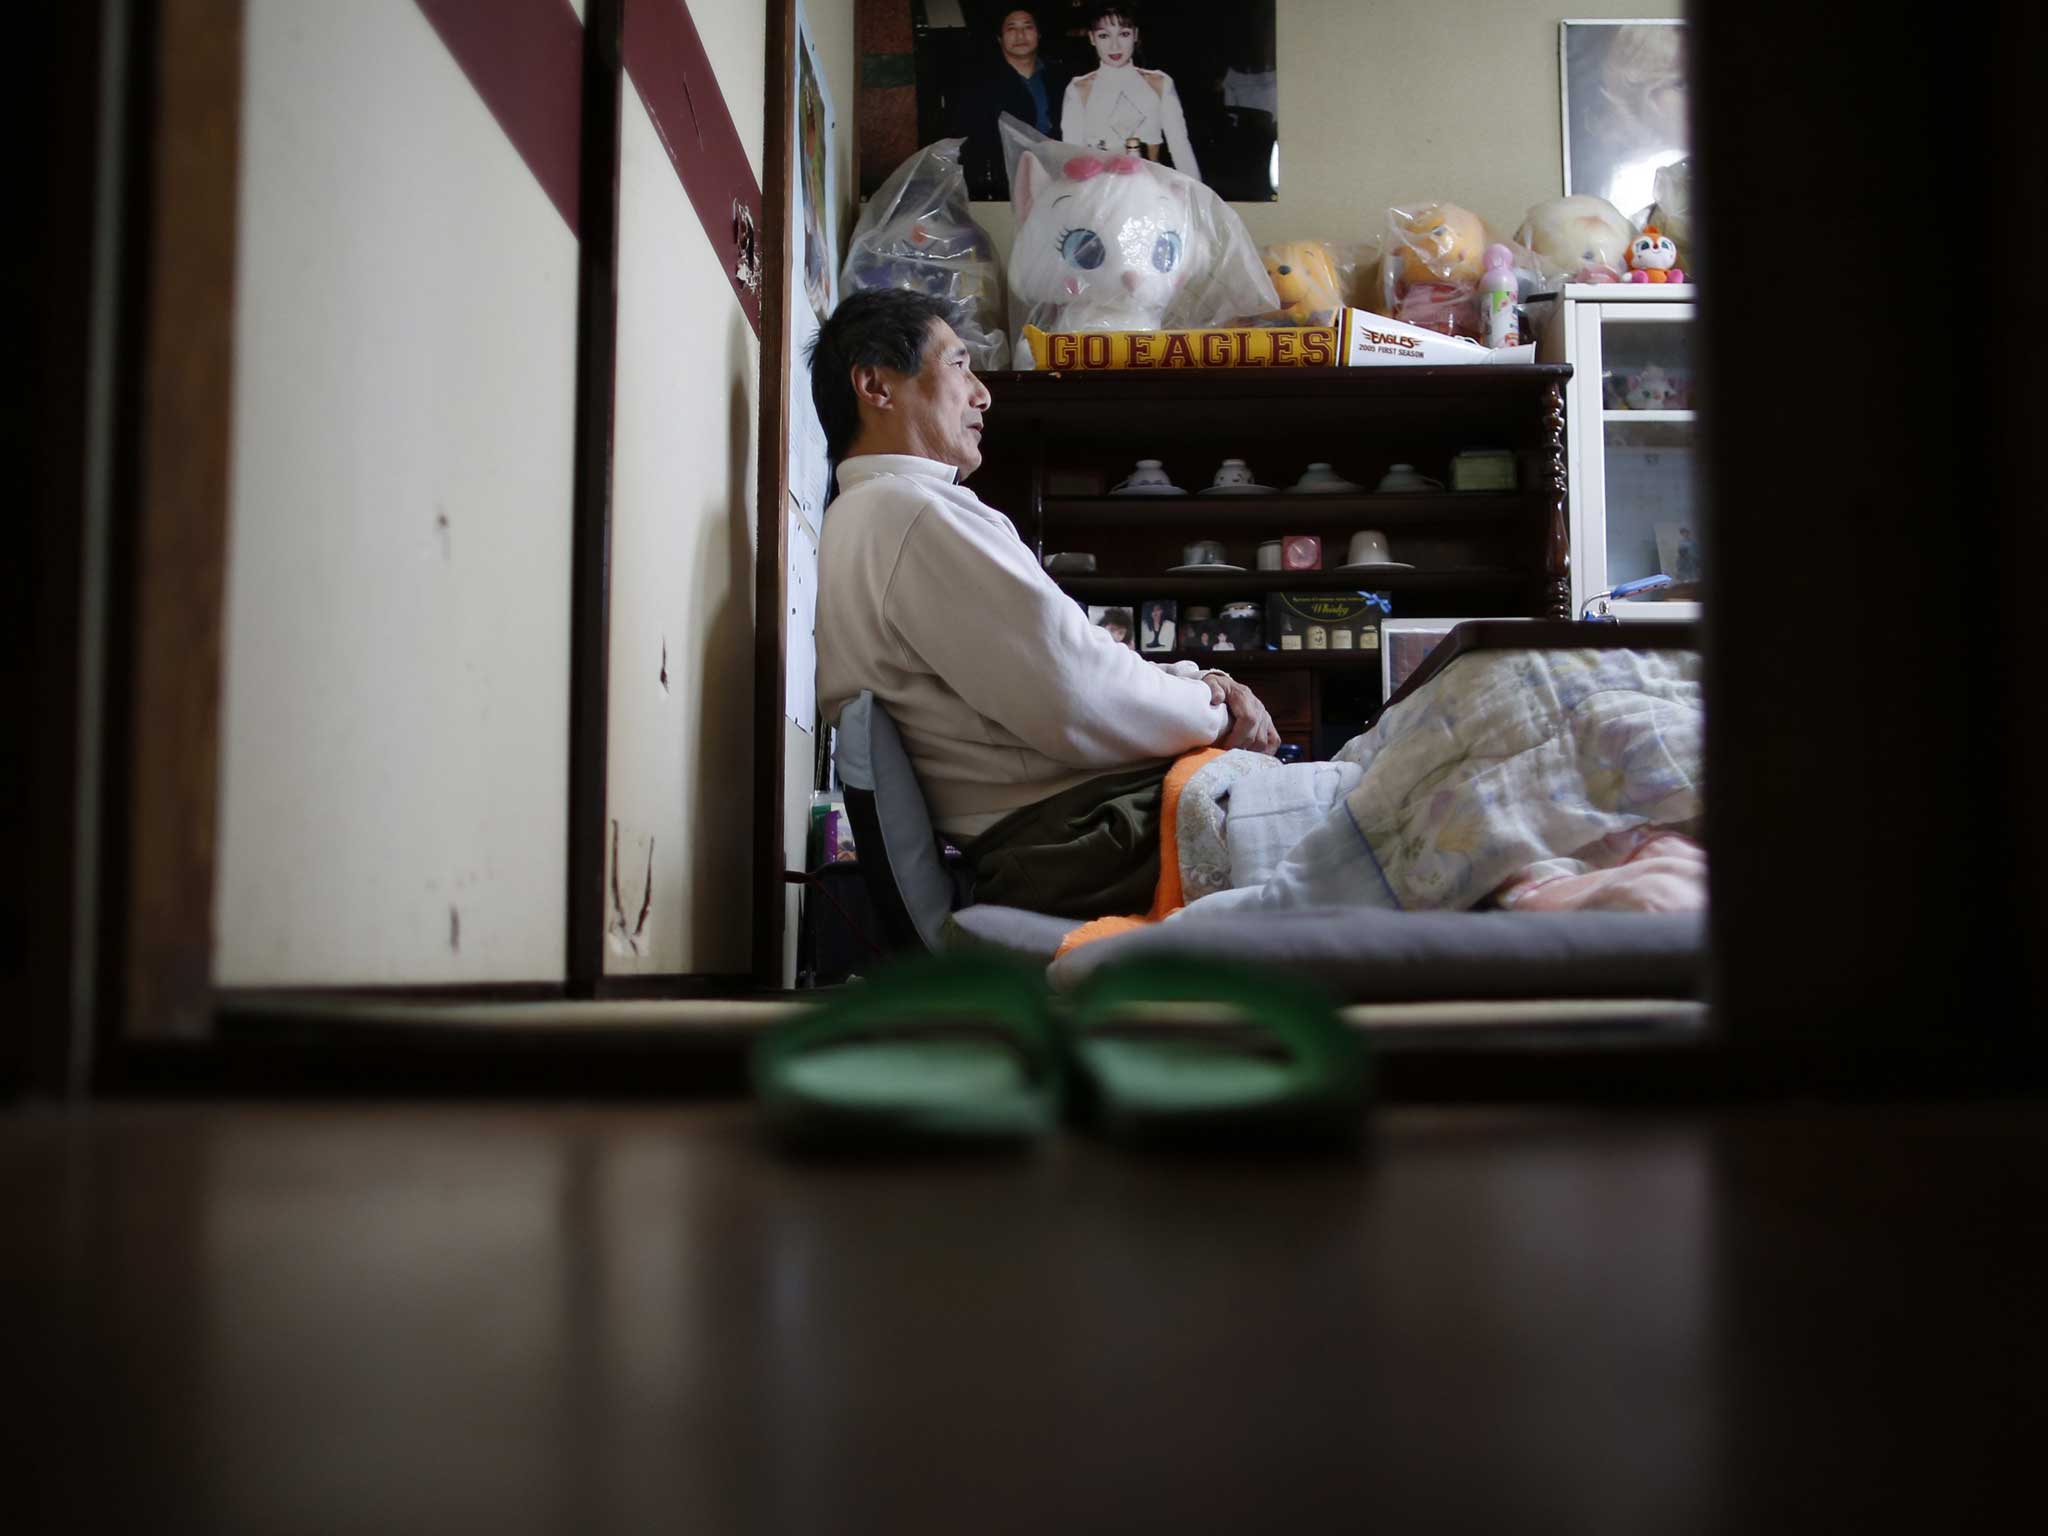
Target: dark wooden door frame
{"points": [[597, 330], [52, 794], [1874, 788], [166, 582], [1781, 97], [771, 570]]}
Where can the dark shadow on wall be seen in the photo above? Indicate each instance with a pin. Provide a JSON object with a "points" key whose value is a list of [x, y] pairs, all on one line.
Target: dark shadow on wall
{"points": [[718, 781]]}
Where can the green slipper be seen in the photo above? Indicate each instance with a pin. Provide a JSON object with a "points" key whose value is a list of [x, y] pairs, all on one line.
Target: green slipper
{"points": [[946, 1049], [1194, 1052]]}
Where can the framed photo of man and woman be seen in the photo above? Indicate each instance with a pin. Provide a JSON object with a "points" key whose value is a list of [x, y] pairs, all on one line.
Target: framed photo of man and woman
{"points": [[1193, 85]]}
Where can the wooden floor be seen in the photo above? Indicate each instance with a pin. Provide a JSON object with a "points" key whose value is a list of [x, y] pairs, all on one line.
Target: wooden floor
{"points": [[244, 1319]]}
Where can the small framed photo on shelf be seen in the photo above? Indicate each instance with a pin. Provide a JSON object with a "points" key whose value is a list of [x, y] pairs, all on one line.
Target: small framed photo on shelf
{"points": [[1405, 644], [1159, 625], [1118, 622], [1678, 552]]}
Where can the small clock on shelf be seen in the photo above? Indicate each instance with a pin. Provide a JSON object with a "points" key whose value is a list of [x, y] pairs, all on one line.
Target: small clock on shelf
{"points": [[1301, 552]]}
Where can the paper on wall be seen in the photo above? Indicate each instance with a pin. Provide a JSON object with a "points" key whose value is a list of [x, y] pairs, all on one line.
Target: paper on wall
{"points": [[813, 267], [809, 464], [800, 629]]}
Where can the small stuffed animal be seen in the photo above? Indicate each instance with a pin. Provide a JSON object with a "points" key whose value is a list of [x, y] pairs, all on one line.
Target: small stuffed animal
{"points": [[1104, 242], [1431, 267], [1652, 258], [1441, 243], [1650, 390], [1306, 280], [1584, 236]]}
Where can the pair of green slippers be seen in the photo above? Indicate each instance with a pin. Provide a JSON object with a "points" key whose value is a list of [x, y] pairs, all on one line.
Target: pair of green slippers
{"points": [[971, 1049]]}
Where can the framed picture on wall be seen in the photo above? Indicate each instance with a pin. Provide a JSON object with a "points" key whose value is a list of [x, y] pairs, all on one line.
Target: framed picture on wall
{"points": [[1193, 84], [1625, 107], [814, 179]]}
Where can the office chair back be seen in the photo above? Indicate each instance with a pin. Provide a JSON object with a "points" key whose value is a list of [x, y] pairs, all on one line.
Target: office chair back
{"points": [[900, 857]]}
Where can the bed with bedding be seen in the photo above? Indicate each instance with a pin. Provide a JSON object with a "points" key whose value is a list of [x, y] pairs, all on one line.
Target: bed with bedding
{"points": [[1556, 778], [1521, 819]]}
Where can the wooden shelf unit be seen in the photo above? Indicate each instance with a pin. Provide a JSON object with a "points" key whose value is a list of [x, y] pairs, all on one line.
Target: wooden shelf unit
{"points": [[1247, 662], [1057, 441], [1284, 513], [1246, 586]]}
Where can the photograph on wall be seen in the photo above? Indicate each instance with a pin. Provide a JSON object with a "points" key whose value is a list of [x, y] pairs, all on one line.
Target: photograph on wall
{"points": [[1625, 107], [1191, 85], [814, 137], [813, 267]]}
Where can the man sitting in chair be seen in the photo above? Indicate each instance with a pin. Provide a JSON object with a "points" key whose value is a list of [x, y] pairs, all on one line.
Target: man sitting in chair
{"points": [[1041, 743]]}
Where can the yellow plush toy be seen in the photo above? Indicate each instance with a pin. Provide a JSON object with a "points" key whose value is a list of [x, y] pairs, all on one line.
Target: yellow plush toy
{"points": [[1441, 243], [1431, 267], [1306, 279]]}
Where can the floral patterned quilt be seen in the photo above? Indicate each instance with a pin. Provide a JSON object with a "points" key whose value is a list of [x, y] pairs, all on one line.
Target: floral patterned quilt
{"points": [[1509, 764]]}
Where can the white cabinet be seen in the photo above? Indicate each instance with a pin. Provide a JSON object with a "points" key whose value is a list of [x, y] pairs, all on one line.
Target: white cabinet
{"points": [[1635, 504]]}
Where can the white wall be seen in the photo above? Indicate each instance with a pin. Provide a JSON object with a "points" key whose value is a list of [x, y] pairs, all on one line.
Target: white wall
{"points": [[395, 737], [1410, 99], [682, 786]]}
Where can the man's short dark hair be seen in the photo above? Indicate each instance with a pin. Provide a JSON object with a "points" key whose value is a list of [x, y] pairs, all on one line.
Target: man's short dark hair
{"points": [[879, 328]]}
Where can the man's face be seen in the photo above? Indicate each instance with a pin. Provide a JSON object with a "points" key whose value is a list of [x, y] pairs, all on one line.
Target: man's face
{"points": [[1020, 37], [943, 402], [1115, 41]]}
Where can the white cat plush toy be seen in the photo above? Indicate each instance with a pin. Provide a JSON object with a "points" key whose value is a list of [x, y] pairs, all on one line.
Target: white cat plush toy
{"points": [[1119, 243], [1105, 241]]}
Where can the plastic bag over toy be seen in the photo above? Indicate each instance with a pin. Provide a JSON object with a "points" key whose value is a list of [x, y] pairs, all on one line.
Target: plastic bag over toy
{"points": [[1672, 210], [1121, 243], [916, 233], [1583, 237], [1442, 269], [1430, 264]]}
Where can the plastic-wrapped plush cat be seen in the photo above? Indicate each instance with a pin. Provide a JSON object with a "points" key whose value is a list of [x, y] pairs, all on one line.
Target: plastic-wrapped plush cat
{"points": [[1105, 242], [1117, 243]]}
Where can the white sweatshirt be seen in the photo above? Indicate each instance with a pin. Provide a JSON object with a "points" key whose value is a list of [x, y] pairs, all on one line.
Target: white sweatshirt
{"points": [[1003, 691]]}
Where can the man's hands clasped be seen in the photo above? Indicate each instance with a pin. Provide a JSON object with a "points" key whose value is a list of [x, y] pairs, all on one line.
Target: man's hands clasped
{"points": [[1249, 726]]}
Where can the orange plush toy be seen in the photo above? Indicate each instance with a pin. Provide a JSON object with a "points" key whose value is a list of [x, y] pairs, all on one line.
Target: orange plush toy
{"points": [[1652, 258], [1306, 279], [1431, 269]]}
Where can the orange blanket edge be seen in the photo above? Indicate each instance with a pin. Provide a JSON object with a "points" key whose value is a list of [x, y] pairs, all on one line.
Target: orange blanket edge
{"points": [[1166, 895]]}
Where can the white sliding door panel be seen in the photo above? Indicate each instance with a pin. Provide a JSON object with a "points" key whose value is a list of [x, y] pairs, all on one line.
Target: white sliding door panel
{"points": [[735, 39], [395, 755], [680, 787]]}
